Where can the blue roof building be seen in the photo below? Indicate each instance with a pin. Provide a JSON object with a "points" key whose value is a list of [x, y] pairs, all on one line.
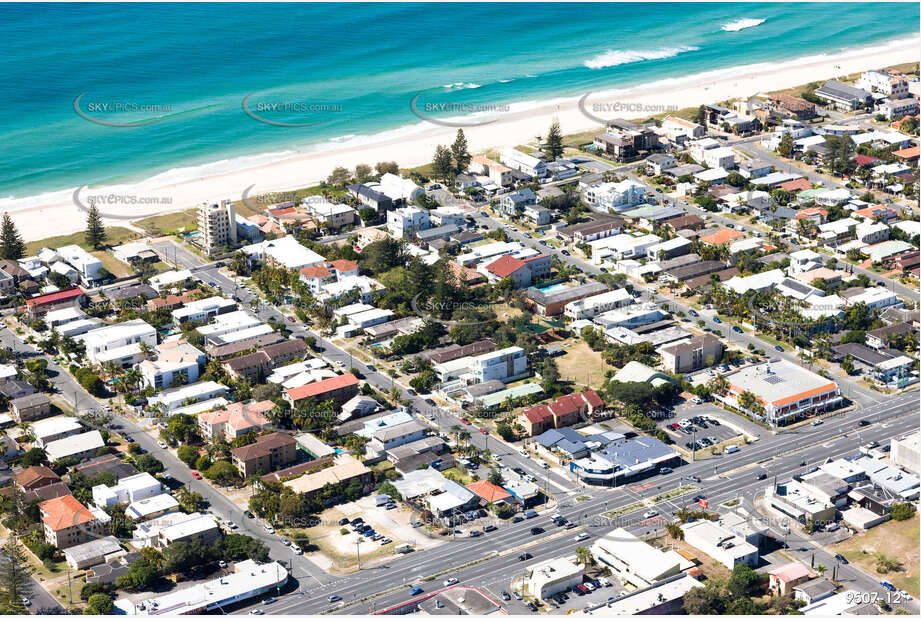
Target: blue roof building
{"points": [[619, 462]]}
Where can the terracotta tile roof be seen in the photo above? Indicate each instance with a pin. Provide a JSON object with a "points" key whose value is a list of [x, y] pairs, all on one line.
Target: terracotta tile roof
{"points": [[315, 272], [799, 184], [505, 266], [876, 211], [865, 160], [828, 388], [908, 153], [810, 212], [488, 491], [240, 416], [464, 273], [537, 414], [321, 387], [64, 512], [30, 475], [721, 237], [344, 265]]}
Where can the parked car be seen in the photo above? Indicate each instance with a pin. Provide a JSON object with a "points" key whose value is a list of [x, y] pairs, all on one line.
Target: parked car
{"points": [[717, 320], [778, 348], [649, 514], [887, 585], [196, 474], [737, 329], [665, 470], [161, 443]]}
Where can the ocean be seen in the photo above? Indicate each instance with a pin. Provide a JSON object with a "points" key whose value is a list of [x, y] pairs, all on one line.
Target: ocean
{"points": [[215, 87]]}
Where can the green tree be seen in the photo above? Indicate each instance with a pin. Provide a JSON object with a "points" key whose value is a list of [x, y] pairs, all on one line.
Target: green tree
{"points": [[554, 143], [15, 574], [95, 230], [785, 148], [11, 245], [99, 604], [187, 455], [443, 163], [902, 511], [148, 463], [459, 152]]}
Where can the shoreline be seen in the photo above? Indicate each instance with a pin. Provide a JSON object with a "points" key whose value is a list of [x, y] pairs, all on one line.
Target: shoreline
{"points": [[413, 145]]}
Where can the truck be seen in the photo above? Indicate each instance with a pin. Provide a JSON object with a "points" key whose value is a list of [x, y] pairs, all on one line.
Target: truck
{"points": [[405, 548]]}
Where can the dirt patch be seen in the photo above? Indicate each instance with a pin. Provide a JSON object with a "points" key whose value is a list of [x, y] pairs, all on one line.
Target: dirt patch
{"points": [[895, 540], [581, 364]]}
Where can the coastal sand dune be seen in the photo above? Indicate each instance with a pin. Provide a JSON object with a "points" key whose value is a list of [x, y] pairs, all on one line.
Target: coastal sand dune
{"points": [[64, 217]]}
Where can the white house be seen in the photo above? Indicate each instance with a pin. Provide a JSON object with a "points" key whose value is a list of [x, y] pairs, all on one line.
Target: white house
{"points": [[720, 157], [118, 340], [616, 195], [588, 308], [89, 266], [405, 222], [523, 162], [129, 489]]}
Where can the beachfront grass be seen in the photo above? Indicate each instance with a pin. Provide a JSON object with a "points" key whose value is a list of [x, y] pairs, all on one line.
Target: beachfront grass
{"points": [[582, 365], [170, 223], [896, 540], [114, 236]]}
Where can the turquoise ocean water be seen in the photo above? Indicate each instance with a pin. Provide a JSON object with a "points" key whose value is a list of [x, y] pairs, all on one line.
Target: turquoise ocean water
{"points": [[361, 64]]}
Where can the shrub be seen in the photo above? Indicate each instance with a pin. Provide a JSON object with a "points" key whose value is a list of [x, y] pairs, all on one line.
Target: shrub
{"points": [[902, 511]]}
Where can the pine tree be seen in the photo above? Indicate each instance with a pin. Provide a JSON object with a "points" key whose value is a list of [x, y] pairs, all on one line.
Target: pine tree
{"points": [[443, 165], [555, 140], [95, 230], [11, 245], [15, 575], [459, 152]]}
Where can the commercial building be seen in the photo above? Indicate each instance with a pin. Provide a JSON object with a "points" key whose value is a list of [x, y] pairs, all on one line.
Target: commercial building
{"points": [[248, 580], [633, 561], [547, 578], [164, 530], [721, 544], [906, 452], [845, 98], [800, 501], [588, 308], [614, 464], [785, 390], [217, 225]]}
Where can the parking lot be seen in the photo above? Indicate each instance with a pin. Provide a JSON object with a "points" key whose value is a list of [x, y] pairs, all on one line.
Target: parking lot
{"points": [[609, 589], [698, 432]]}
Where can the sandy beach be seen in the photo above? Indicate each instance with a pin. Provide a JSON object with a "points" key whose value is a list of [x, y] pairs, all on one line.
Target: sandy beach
{"points": [[62, 216]]}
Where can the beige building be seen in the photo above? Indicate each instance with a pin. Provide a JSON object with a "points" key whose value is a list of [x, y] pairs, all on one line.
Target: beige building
{"points": [[906, 452], [66, 522], [217, 224], [691, 355]]}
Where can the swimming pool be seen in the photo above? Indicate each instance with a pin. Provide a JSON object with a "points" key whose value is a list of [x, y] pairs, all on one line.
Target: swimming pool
{"points": [[556, 287]]}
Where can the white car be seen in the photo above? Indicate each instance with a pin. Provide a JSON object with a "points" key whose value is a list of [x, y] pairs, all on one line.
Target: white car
{"points": [[269, 529], [297, 550], [817, 422], [649, 514], [450, 581], [581, 537], [340, 363], [161, 444]]}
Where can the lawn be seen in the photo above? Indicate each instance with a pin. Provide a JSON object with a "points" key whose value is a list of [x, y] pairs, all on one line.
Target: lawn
{"points": [[457, 476], [171, 223], [894, 539], [581, 364], [114, 236]]}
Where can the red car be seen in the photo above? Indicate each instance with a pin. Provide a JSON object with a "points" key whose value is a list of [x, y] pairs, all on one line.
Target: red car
{"points": [[465, 421], [484, 432], [196, 474]]}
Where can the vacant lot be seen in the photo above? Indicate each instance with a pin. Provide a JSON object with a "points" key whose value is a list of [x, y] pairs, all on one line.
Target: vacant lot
{"points": [[581, 364], [114, 236], [171, 223], [896, 540]]}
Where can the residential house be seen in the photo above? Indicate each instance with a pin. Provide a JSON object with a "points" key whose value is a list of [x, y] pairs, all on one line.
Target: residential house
{"points": [[28, 408], [234, 420], [66, 522]]}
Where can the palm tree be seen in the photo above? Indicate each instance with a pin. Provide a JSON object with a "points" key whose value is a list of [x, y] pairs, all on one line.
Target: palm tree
{"points": [[820, 568], [584, 556]]}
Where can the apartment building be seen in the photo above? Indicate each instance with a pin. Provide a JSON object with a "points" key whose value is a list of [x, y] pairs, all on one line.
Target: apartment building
{"points": [[505, 365], [523, 162], [234, 420], [405, 222], [691, 355], [204, 309], [217, 225], [174, 358], [266, 454], [66, 522]]}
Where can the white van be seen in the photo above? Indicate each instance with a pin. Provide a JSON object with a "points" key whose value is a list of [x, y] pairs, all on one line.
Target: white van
{"points": [[405, 548], [732, 449]]}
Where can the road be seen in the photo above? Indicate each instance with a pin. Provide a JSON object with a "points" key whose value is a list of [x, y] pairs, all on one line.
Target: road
{"points": [[779, 456]]}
